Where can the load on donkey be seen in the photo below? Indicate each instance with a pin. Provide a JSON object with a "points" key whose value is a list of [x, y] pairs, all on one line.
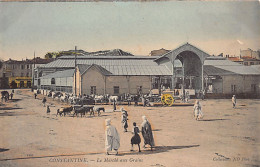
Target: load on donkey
{"points": [[4, 95]]}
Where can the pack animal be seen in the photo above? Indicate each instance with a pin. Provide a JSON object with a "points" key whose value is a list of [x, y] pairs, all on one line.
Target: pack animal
{"points": [[64, 111]]}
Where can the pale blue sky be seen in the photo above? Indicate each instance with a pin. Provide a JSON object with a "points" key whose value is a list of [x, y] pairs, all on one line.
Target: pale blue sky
{"points": [[136, 27]]}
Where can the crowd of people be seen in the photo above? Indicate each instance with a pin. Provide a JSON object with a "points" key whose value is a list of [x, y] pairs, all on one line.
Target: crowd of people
{"points": [[112, 141]]}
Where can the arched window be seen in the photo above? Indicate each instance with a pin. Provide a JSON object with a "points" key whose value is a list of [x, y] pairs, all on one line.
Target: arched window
{"points": [[53, 81]]}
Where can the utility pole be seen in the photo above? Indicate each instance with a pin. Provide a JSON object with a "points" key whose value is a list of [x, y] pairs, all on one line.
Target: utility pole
{"points": [[33, 71], [75, 71]]}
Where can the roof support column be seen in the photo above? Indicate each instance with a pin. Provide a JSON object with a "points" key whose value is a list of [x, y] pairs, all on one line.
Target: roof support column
{"points": [[173, 75], [202, 77]]}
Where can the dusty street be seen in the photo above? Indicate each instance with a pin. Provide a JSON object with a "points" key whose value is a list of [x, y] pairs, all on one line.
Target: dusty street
{"points": [[225, 136]]}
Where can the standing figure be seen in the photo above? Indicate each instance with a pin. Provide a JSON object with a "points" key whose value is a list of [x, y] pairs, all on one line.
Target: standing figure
{"points": [[124, 119], [197, 110], [234, 101], [114, 105], [136, 100], [129, 100], [177, 92], [144, 101], [48, 110], [12, 95], [203, 93], [136, 138], [187, 96], [147, 132], [44, 101], [112, 138], [35, 95]]}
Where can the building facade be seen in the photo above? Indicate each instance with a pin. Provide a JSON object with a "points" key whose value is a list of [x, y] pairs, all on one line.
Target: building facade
{"points": [[18, 74], [185, 67]]}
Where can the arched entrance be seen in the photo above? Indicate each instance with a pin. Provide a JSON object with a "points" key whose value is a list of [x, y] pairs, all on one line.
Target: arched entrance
{"points": [[192, 70], [192, 61]]}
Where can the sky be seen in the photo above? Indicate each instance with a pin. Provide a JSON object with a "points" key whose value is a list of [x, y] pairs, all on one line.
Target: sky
{"points": [[136, 27]]}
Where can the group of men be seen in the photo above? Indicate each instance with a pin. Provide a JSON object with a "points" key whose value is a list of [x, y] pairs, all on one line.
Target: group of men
{"points": [[112, 141]]}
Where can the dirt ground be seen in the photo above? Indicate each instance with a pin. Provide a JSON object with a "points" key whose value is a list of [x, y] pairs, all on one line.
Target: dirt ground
{"points": [[225, 136]]}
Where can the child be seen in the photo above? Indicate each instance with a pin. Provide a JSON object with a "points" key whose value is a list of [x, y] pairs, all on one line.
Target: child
{"points": [[124, 121], [48, 110], [136, 138]]}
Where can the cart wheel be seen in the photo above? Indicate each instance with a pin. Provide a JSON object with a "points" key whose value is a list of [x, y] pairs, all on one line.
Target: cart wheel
{"points": [[167, 99]]}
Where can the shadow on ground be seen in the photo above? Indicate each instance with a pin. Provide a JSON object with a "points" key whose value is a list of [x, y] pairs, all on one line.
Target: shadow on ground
{"points": [[157, 149], [213, 119], [13, 100], [11, 114], [10, 108], [3, 149]]}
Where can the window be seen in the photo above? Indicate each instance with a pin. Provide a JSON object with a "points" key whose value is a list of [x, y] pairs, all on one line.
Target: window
{"points": [[21, 74], [27, 74], [22, 66], [253, 88], [246, 63], [116, 89], [53, 81], [12, 74], [251, 63], [93, 90], [28, 66], [233, 88], [13, 66]]}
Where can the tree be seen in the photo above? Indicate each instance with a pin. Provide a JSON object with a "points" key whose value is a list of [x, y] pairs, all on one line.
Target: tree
{"points": [[49, 55]]}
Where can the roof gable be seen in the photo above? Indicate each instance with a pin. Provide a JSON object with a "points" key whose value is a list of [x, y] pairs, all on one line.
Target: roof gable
{"points": [[83, 68], [185, 47]]}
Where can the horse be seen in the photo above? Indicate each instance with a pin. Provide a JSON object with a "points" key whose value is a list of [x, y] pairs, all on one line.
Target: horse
{"points": [[99, 98], [64, 98], [81, 111], [98, 109], [113, 98], [64, 110]]}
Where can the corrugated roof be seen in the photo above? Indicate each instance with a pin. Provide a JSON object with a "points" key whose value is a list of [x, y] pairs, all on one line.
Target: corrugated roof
{"points": [[256, 67], [221, 62], [60, 74], [181, 47], [211, 70], [145, 65], [232, 67], [243, 70], [117, 66], [84, 67]]}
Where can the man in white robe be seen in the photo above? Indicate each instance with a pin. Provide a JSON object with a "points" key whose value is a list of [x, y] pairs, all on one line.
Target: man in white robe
{"points": [[197, 110], [112, 138], [234, 101]]}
